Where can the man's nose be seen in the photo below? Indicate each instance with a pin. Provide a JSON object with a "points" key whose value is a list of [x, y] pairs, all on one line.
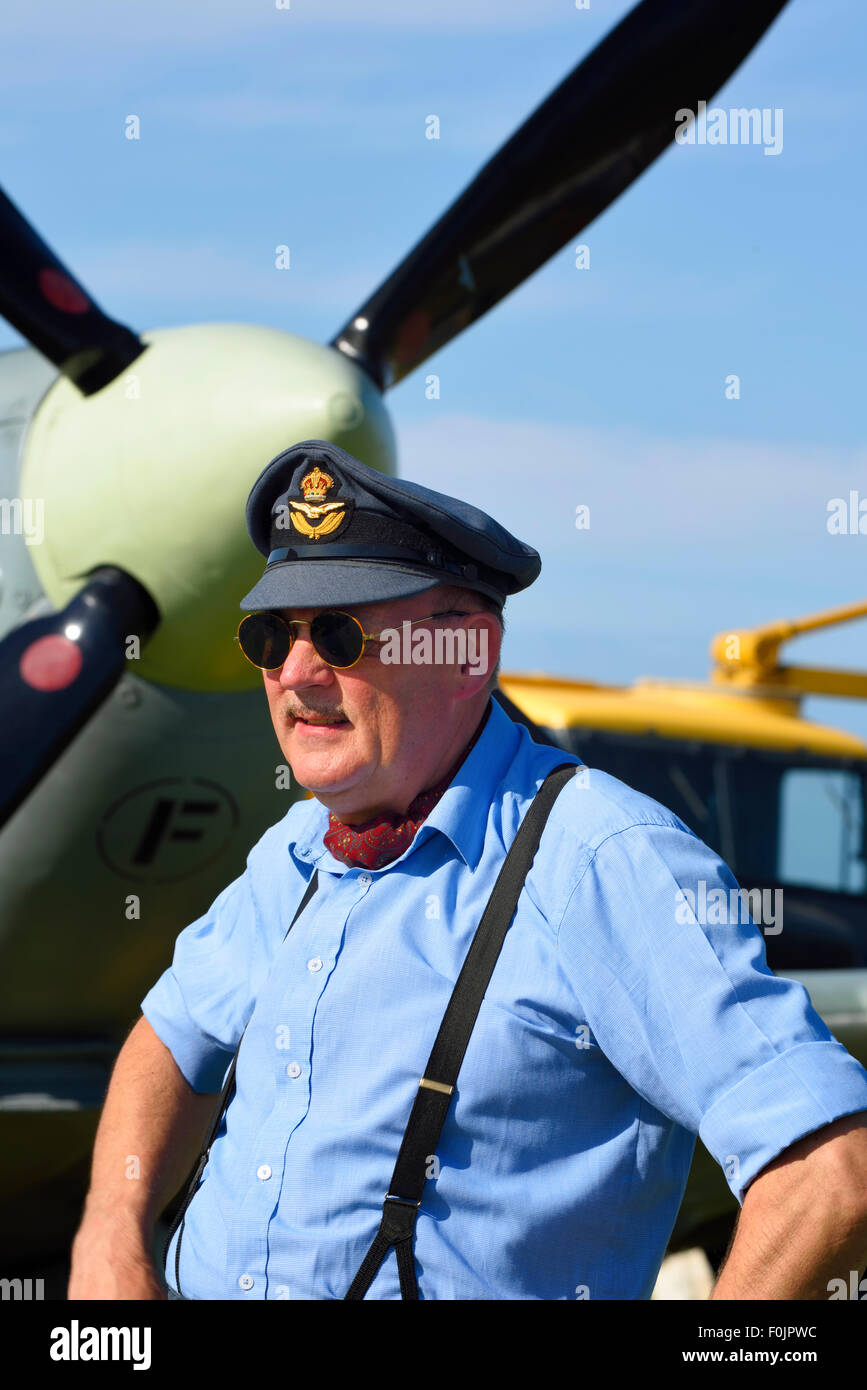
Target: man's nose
{"points": [[304, 665]]}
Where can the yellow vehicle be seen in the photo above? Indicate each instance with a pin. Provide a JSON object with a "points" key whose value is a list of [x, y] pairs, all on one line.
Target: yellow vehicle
{"points": [[779, 797]]}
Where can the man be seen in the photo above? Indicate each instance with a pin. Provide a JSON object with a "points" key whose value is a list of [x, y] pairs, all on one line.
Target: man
{"points": [[609, 1034]]}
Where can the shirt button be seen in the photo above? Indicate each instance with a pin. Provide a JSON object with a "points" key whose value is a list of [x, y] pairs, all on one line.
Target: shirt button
{"points": [[246, 1281], [314, 964], [364, 879], [263, 1171], [293, 1069]]}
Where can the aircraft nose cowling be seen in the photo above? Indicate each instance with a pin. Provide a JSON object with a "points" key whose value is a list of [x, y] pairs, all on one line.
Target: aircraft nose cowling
{"points": [[152, 474]]}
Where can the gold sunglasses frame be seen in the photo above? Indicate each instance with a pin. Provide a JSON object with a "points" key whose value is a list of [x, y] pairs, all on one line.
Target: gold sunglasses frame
{"points": [[290, 623]]}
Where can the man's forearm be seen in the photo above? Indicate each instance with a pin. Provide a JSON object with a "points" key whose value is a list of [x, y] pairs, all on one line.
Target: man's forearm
{"points": [[150, 1131], [804, 1219], [796, 1261]]}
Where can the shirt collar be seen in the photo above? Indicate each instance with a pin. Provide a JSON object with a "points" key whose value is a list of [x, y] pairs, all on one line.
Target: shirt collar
{"points": [[461, 812]]}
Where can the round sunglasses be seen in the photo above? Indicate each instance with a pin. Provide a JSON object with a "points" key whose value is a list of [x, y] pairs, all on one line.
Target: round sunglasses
{"points": [[266, 639]]}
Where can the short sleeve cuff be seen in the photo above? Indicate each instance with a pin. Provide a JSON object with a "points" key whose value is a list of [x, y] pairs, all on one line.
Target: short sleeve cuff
{"points": [[799, 1091], [201, 1060]]}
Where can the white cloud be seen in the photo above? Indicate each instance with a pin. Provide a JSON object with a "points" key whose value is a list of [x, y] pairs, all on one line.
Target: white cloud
{"points": [[623, 290], [374, 122], [203, 273], [645, 486], [203, 23], [687, 537]]}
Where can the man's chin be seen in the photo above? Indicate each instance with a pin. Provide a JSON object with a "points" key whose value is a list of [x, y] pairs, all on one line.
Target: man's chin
{"points": [[325, 777]]}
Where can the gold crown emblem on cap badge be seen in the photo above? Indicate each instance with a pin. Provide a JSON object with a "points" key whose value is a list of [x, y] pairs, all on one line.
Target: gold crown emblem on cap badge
{"points": [[314, 516]]}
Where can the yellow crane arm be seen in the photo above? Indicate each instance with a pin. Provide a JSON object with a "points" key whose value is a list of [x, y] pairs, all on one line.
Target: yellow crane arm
{"points": [[751, 657]]}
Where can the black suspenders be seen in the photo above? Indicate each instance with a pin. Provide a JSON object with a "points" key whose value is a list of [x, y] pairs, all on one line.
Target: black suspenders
{"points": [[436, 1087], [225, 1097]]}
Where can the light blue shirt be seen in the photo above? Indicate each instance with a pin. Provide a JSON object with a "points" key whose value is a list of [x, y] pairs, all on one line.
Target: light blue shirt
{"points": [[611, 1033]]}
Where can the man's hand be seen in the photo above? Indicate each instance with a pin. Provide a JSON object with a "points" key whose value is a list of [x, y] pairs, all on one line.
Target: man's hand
{"points": [[804, 1218]]}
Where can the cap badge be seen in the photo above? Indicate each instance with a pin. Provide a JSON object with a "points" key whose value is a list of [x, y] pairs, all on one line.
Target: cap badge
{"points": [[314, 517]]}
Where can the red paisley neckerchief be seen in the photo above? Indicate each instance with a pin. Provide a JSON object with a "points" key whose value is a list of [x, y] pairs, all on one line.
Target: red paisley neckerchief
{"points": [[384, 838]]}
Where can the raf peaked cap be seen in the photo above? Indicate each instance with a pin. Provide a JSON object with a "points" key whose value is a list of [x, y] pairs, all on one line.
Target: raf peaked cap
{"points": [[336, 532]]}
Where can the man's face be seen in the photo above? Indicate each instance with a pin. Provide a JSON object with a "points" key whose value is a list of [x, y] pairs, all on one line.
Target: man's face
{"points": [[372, 737]]}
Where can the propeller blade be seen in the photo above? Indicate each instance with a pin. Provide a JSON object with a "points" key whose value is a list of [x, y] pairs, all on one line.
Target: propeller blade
{"points": [[55, 671], [592, 137], [39, 297]]}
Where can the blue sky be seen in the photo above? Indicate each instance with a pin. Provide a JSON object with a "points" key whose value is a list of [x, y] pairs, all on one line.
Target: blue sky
{"points": [[602, 387]]}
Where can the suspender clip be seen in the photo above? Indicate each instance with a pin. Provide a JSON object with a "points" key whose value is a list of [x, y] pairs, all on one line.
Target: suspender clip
{"points": [[436, 1086]]}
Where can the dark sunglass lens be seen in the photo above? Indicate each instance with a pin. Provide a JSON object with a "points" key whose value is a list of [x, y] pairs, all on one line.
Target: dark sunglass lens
{"points": [[337, 638], [265, 640]]}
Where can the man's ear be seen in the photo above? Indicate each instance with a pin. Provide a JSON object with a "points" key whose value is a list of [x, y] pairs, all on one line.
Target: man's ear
{"points": [[482, 651]]}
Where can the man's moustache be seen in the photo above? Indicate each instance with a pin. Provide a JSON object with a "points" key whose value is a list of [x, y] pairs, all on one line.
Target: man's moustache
{"points": [[315, 713]]}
